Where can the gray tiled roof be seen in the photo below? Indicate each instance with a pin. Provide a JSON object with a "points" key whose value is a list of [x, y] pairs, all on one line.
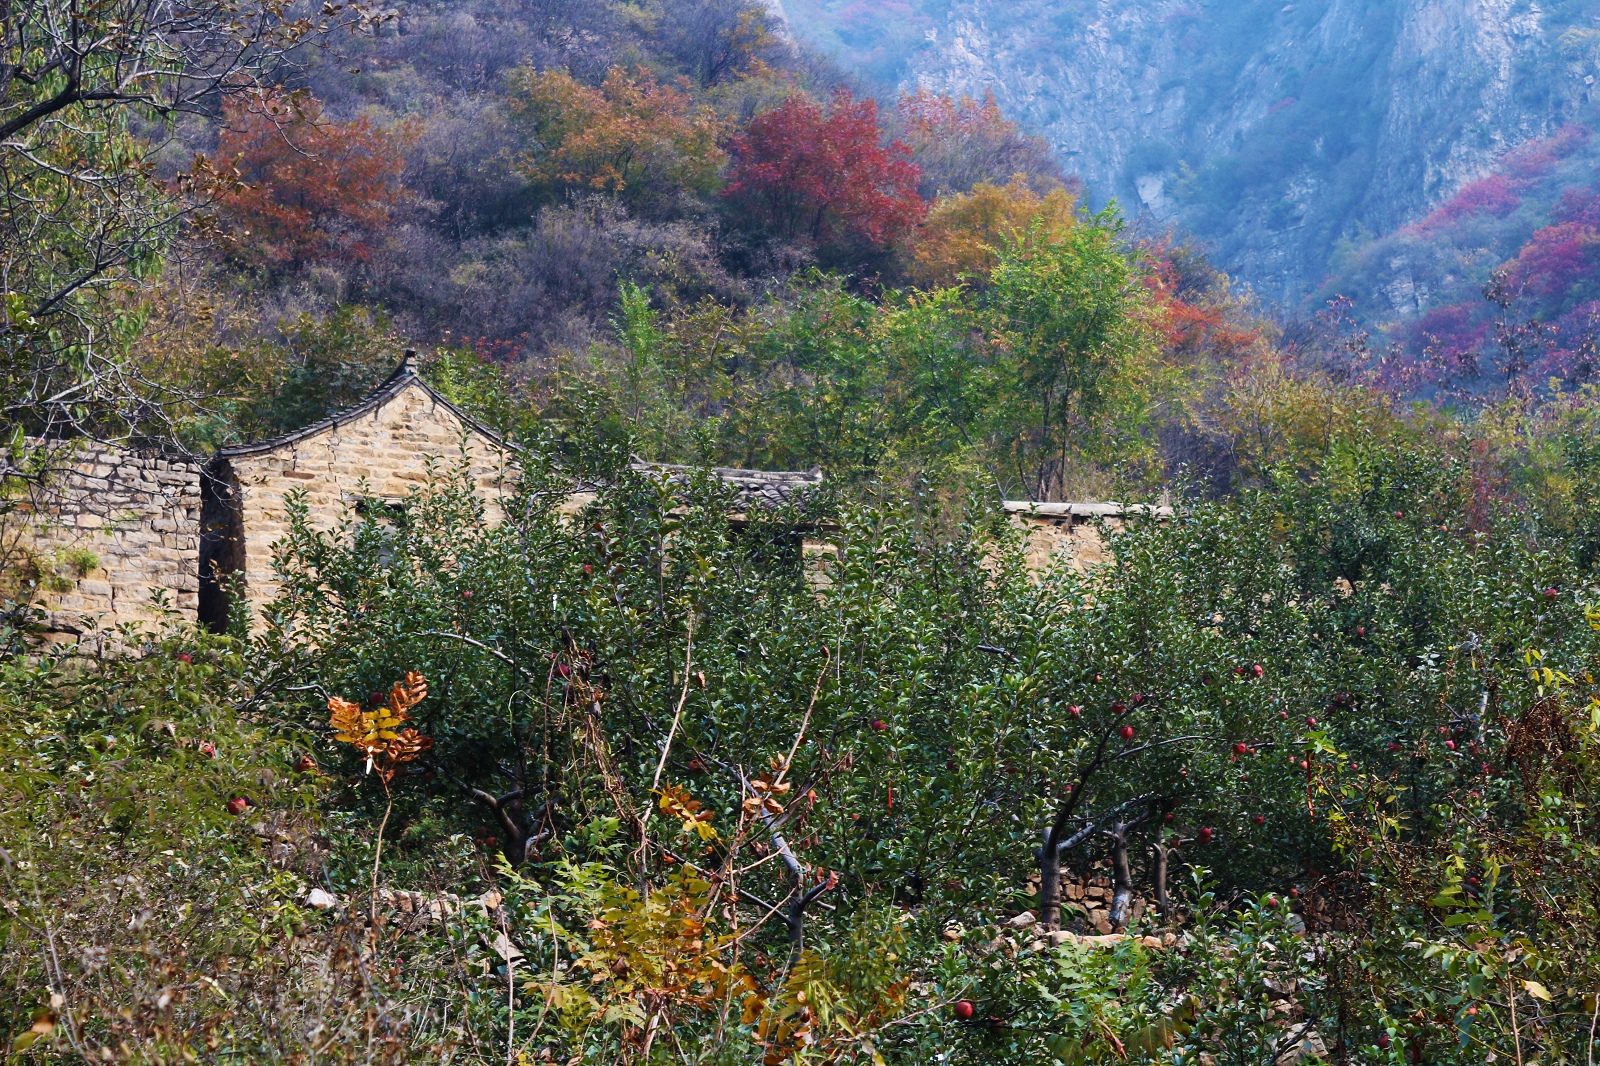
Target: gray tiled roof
{"points": [[757, 488]]}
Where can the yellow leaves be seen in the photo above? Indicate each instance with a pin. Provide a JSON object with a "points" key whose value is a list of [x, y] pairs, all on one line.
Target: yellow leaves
{"points": [[376, 733], [964, 234], [676, 803], [1540, 674], [1537, 990]]}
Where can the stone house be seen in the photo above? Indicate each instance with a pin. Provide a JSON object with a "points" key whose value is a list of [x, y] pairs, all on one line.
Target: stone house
{"points": [[127, 537], [130, 537]]}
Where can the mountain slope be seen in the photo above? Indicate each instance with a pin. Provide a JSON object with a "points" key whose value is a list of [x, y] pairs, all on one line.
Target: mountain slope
{"points": [[1274, 130]]}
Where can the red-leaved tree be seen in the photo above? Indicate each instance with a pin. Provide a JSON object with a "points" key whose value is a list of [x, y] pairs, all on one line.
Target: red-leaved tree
{"points": [[297, 189], [825, 174]]}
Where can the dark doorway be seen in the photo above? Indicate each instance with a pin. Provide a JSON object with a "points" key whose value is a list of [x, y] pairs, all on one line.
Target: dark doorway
{"points": [[221, 541]]}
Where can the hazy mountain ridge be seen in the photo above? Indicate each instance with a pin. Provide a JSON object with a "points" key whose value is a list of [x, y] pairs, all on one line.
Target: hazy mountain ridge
{"points": [[1275, 131]]}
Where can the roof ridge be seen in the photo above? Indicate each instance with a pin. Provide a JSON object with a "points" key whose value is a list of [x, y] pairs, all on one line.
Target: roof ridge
{"points": [[403, 377]]}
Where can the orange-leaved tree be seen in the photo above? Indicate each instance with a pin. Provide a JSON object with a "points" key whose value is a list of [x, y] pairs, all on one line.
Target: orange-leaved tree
{"points": [[293, 188], [377, 735], [633, 136], [959, 142], [964, 234], [826, 174]]}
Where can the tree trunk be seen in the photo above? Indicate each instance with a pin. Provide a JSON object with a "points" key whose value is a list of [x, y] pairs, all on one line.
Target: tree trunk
{"points": [[1159, 876], [1050, 883], [1122, 877]]}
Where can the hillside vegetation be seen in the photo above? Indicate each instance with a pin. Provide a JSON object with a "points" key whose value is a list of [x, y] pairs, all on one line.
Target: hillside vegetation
{"points": [[1306, 771]]}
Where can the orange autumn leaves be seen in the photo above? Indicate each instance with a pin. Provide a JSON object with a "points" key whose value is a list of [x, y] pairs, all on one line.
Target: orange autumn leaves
{"points": [[377, 733], [632, 137], [298, 189]]}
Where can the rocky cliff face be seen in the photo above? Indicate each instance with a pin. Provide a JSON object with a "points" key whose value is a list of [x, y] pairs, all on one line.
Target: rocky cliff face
{"points": [[1273, 130]]}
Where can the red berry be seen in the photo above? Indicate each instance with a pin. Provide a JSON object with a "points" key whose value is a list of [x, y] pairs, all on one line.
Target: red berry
{"points": [[374, 697], [1260, 819], [1205, 835], [1240, 747], [1312, 722], [1169, 818], [1127, 732], [185, 658], [1283, 714], [237, 805], [964, 1009], [879, 725], [1272, 901]]}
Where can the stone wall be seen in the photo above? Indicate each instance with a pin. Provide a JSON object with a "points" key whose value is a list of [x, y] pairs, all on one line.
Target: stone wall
{"points": [[108, 537], [1053, 530], [375, 454]]}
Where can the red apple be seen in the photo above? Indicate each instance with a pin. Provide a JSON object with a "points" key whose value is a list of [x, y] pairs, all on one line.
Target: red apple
{"points": [[1383, 1041], [208, 749], [879, 725], [1272, 901], [185, 658], [1240, 747], [1552, 592], [1312, 722], [1075, 710], [1127, 732], [964, 1009], [1205, 835], [237, 805], [696, 766], [1450, 744], [1119, 707], [466, 594], [1257, 670], [1260, 819]]}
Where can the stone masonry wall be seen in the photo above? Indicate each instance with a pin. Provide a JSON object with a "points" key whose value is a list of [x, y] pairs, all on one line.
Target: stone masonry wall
{"points": [[382, 454], [108, 537]]}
